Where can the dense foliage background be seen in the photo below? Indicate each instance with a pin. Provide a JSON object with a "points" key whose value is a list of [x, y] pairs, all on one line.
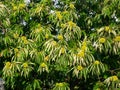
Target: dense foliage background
{"points": [[60, 45]]}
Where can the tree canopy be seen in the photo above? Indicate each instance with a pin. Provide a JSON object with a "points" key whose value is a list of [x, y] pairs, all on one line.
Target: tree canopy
{"points": [[60, 44]]}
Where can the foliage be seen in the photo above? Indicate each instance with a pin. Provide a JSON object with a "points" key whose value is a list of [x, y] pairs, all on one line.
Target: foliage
{"points": [[60, 45]]}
